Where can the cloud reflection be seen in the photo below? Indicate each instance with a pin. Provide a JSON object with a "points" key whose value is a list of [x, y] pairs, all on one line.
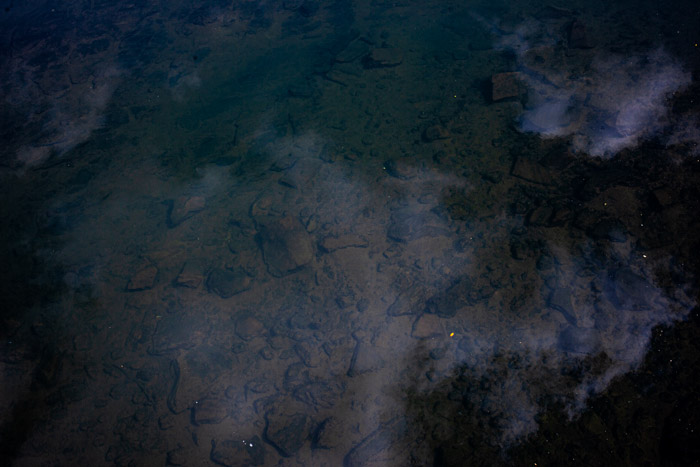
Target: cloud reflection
{"points": [[606, 102]]}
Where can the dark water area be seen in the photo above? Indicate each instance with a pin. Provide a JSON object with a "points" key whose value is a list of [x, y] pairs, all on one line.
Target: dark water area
{"points": [[349, 233]]}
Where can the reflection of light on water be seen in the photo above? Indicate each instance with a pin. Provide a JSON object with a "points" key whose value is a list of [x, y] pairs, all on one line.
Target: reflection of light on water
{"points": [[617, 103], [614, 311], [72, 118]]}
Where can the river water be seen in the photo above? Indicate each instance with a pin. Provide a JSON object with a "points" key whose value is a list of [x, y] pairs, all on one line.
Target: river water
{"points": [[361, 233]]}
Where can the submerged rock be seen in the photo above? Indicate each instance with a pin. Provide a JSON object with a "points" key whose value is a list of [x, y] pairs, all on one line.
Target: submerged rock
{"points": [[382, 58], [287, 433], [183, 208], [143, 280], [427, 326], [226, 283], [332, 243], [365, 359], [504, 86], [381, 443], [190, 276], [209, 412], [249, 328], [286, 246], [238, 452], [434, 133]]}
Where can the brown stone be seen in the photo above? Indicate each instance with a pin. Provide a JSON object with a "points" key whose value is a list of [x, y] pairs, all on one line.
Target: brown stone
{"points": [[248, 328], [209, 411], [382, 58], [365, 359], [183, 208], [143, 280], [287, 433], [403, 169], [435, 132], [505, 85], [427, 326], [286, 246], [243, 450], [332, 243], [226, 283], [190, 277]]}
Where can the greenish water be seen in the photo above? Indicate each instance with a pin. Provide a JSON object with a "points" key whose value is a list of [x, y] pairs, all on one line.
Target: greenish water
{"points": [[349, 233]]}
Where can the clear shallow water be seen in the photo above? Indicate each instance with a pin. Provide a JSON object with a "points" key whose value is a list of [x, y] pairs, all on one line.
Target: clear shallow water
{"points": [[323, 234]]}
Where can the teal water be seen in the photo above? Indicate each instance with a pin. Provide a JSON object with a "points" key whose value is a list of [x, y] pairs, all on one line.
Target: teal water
{"points": [[349, 233]]}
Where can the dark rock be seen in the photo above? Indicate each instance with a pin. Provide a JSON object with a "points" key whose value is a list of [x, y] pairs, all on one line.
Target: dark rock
{"points": [[174, 332], [183, 208], [177, 456], [330, 434], [308, 8], [190, 276], [504, 86], [401, 169], [287, 433], [382, 58], [286, 246], [434, 133], [238, 452], [531, 171], [355, 49], [143, 280], [492, 176], [519, 249], [540, 216], [226, 283], [578, 37], [664, 196], [459, 295], [166, 422]]}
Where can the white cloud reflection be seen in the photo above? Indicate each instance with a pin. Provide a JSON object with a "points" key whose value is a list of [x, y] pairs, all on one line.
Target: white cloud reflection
{"points": [[604, 101]]}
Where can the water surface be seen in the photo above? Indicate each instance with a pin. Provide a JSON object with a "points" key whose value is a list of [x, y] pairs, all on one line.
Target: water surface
{"points": [[349, 233]]}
